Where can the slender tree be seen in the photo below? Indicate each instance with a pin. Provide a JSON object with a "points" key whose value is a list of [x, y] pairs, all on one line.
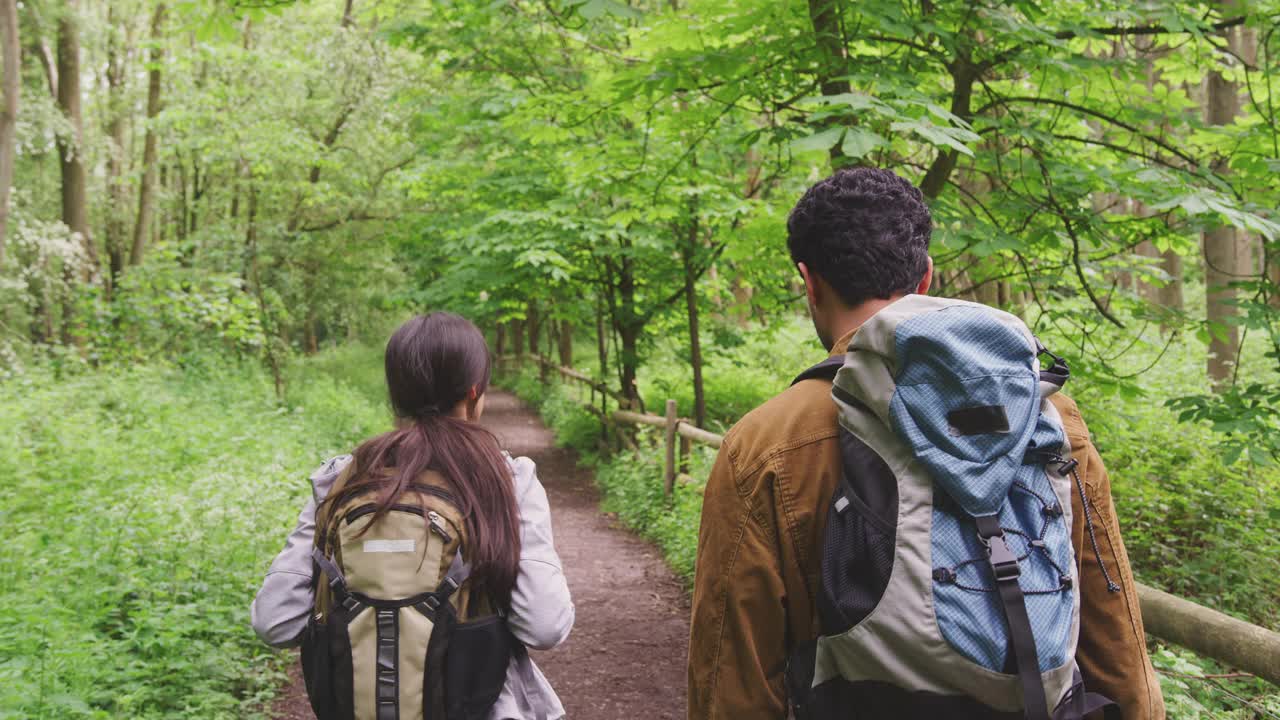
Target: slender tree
{"points": [[1227, 256], [10, 89], [564, 343], [117, 129], [146, 193], [75, 206]]}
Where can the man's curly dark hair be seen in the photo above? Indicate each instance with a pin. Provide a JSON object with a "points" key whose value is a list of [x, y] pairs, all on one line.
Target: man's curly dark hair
{"points": [[863, 230]]}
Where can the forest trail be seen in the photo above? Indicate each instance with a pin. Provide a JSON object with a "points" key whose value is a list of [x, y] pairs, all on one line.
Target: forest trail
{"points": [[626, 656]]}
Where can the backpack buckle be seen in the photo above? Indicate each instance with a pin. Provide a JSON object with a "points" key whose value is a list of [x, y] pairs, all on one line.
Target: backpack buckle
{"points": [[1002, 559]]}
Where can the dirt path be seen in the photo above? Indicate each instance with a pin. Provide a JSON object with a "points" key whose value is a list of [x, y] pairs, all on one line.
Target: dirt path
{"points": [[625, 657]]}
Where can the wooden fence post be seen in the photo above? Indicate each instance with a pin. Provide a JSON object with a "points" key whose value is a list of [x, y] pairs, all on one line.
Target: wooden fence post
{"points": [[669, 478]]}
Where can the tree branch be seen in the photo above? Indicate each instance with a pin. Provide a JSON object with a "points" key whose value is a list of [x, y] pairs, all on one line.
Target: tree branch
{"points": [[1000, 100], [1147, 29]]}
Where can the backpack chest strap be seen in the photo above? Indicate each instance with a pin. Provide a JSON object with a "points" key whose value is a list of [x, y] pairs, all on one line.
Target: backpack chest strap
{"points": [[1004, 566]]}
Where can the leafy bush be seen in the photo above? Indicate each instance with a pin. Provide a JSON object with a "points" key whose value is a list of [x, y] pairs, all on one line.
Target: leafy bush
{"points": [[755, 366], [1197, 523], [141, 507], [1195, 688]]}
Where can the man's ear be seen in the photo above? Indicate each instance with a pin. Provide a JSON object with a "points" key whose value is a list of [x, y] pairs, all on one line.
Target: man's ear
{"points": [[927, 280], [810, 284]]}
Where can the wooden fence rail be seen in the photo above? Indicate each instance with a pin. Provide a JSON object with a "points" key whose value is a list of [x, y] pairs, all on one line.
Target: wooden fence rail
{"points": [[1210, 633]]}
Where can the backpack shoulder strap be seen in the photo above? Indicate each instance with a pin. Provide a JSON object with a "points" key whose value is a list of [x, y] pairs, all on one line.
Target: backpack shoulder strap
{"points": [[825, 370]]}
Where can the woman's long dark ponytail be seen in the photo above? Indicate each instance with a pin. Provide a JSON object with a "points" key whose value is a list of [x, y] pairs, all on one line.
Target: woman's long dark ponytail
{"points": [[432, 363]]}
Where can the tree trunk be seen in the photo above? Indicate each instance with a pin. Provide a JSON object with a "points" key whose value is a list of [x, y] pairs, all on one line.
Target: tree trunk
{"points": [[42, 317], [629, 326], [552, 337], [250, 271], [197, 192], [146, 193], [500, 339], [1227, 255], [75, 213], [963, 74], [534, 326], [1148, 292], [180, 192], [40, 48], [10, 89], [1272, 264], [566, 343], [602, 345], [312, 342], [517, 334], [1170, 295], [695, 343], [824, 16], [117, 115], [629, 366]]}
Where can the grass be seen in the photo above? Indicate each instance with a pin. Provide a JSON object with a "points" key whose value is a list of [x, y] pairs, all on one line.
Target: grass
{"points": [[141, 507]]}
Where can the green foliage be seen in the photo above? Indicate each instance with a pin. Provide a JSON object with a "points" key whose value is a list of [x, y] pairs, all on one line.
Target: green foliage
{"points": [[627, 167], [141, 507], [176, 312], [744, 368], [631, 485], [1198, 689]]}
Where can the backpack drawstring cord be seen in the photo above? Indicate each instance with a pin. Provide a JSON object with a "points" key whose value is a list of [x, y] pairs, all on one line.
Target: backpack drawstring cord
{"points": [[1070, 466]]}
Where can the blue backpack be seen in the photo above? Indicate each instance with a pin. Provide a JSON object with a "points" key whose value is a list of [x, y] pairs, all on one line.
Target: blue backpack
{"points": [[948, 583]]}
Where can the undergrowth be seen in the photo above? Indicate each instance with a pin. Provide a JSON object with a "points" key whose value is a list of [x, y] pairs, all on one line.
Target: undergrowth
{"points": [[141, 507]]}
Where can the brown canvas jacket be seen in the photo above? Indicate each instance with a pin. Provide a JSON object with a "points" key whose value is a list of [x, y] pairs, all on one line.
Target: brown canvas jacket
{"points": [[758, 569]]}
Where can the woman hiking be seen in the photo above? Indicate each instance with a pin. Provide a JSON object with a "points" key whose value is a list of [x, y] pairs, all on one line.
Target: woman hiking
{"points": [[423, 565]]}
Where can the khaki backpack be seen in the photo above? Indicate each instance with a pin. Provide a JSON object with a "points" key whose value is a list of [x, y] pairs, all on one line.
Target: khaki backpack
{"points": [[397, 633]]}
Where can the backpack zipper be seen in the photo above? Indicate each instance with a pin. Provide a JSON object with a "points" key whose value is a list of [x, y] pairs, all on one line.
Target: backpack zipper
{"points": [[427, 489], [437, 524]]}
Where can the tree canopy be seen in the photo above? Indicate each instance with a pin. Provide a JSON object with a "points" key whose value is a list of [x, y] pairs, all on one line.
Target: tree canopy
{"points": [[267, 176]]}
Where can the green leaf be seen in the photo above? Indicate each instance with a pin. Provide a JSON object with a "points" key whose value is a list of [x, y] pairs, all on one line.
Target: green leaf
{"points": [[953, 138], [860, 141], [1231, 453], [824, 140], [595, 9]]}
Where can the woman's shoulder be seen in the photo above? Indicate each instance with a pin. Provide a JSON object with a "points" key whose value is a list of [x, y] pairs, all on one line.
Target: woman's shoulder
{"points": [[524, 473], [323, 477]]}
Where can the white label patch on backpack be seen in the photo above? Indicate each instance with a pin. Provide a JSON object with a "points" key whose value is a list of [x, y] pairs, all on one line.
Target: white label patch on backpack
{"points": [[389, 546]]}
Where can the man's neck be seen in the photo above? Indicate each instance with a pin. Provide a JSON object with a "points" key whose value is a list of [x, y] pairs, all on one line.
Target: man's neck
{"points": [[847, 320]]}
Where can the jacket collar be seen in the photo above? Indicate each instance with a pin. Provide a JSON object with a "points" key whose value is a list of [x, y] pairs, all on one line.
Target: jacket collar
{"points": [[841, 346]]}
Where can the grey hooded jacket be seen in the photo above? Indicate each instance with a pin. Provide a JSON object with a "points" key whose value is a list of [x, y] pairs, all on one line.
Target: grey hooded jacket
{"points": [[541, 611]]}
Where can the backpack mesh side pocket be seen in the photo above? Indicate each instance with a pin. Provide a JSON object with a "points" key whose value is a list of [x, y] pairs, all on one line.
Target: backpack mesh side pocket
{"points": [[858, 545]]}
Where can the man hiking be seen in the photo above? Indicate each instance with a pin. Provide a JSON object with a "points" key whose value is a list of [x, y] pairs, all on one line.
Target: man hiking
{"points": [[827, 585]]}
